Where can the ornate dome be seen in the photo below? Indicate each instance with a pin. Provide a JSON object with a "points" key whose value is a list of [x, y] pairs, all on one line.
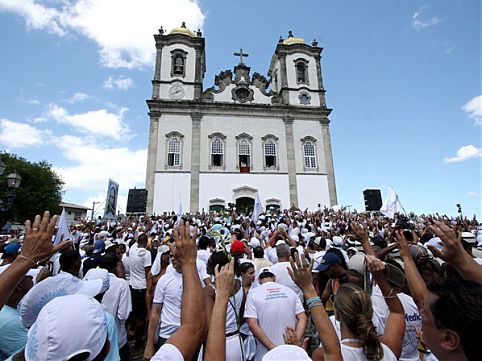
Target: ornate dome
{"points": [[183, 30], [293, 40]]}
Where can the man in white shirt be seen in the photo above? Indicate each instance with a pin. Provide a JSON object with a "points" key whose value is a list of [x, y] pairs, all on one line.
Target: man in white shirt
{"points": [[270, 308], [203, 252], [166, 309], [117, 301], [139, 265], [280, 269]]}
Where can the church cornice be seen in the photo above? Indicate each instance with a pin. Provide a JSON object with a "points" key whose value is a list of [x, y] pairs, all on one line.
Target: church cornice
{"points": [[186, 107]]}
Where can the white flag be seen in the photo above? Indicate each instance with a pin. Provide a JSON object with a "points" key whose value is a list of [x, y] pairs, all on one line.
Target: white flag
{"points": [[62, 229], [392, 204], [179, 211], [258, 208]]}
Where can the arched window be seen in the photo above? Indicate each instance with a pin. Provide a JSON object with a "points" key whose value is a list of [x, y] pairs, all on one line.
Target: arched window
{"points": [[301, 67], [300, 73], [174, 153], [310, 154], [178, 62], [217, 153]]}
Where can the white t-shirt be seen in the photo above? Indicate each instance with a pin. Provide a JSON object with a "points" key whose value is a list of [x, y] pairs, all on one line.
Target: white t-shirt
{"points": [[275, 307], [139, 259], [283, 277], [356, 353], [413, 320], [201, 270], [270, 255], [169, 293], [117, 301], [376, 322], [168, 352], [203, 255], [125, 262]]}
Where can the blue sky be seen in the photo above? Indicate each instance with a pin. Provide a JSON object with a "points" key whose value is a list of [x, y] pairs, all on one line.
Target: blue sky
{"points": [[403, 79]]}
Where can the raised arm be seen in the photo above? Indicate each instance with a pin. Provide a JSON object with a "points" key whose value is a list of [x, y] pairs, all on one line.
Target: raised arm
{"points": [[416, 284], [454, 253], [395, 325], [37, 248], [187, 338], [301, 275], [361, 234], [216, 340]]}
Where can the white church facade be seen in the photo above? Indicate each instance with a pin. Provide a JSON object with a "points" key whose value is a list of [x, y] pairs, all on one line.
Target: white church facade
{"points": [[246, 135]]}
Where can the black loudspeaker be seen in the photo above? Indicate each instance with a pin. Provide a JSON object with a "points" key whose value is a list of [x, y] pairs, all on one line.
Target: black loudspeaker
{"points": [[136, 200], [373, 199]]}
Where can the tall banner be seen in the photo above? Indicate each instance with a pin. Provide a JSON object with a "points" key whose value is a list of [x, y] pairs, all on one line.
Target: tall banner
{"points": [[110, 210], [392, 204]]}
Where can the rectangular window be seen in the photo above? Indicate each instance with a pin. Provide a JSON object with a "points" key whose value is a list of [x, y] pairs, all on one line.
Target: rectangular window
{"points": [[270, 154], [217, 160]]}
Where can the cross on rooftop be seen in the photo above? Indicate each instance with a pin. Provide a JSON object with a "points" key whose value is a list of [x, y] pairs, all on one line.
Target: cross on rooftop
{"points": [[241, 54]]}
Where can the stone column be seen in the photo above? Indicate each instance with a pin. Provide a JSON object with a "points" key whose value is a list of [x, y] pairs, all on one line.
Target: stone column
{"points": [[195, 160], [157, 74], [152, 159], [284, 80], [290, 151], [330, 171]]}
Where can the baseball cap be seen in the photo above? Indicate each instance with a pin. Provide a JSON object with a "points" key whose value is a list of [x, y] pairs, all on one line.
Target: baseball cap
{"points": [[468, 237], [286, 352], [317, 241], [394, 273], [237, 246], [337, 241], [329, 259], [99, 246], [61, 285], [10, 249], [99, 274], [266, 272], [60, 334]]}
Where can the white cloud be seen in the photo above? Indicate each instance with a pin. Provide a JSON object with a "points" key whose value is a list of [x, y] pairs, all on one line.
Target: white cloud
{"points": [[420, 21], [474, 108], [97, 122], [464, 153], [78, 97], [19, 135], [119, 83], [124, 39], [36, 15], [94, 164], [473, 194]]}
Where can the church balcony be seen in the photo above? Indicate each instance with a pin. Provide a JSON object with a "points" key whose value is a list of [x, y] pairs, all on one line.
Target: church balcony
{"points": [[244, 169]]}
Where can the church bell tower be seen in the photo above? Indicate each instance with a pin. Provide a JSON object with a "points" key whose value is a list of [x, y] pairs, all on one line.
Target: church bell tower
{"points": [[180, 65]]}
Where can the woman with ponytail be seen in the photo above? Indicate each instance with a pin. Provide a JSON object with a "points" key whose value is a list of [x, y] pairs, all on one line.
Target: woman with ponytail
{"points": [[353, 308]]}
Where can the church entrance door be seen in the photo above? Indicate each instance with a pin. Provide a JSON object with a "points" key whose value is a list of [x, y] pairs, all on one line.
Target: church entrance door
{"points": [[244, 204]]}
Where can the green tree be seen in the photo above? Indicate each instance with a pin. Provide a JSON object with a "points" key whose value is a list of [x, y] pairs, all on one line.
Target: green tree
{"points": [[40, 189]]}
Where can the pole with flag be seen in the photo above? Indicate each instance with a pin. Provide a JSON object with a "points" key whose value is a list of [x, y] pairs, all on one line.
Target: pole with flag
{"points": [[258, 208], [179, 211], [62, 230], [392, 204]]}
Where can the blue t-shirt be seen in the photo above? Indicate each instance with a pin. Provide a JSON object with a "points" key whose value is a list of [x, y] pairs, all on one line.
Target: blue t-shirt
{"points": [[13, 334], [114, 343]]}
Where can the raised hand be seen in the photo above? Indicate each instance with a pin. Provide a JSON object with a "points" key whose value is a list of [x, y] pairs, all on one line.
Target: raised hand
{"points": [[453, 252], [402, 244], [360, 232], [185, 251], [374, 265], [37, 246], [300, 274], [224, 279]]}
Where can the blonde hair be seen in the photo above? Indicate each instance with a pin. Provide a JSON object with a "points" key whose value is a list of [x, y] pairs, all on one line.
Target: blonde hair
{"points": [[354, 307]]}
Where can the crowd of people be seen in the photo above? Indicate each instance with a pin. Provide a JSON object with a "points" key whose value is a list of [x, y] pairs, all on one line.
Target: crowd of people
{"points": [[289, 285]]}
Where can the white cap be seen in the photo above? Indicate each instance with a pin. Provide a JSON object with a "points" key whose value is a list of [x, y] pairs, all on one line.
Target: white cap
{"points": [[61, 285], [99, 274], [337, 241], [59, 333], [285, 353]]}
